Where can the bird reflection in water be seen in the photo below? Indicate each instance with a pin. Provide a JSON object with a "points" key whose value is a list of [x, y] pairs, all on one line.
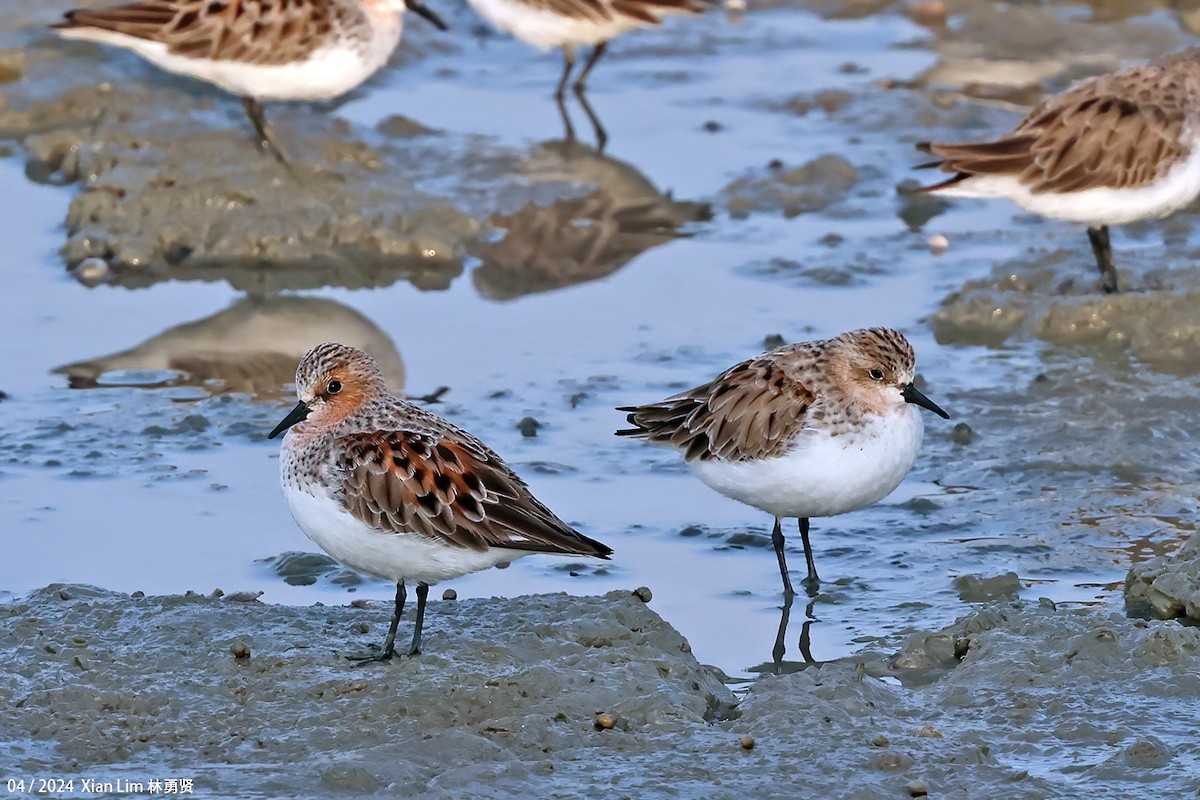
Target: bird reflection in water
{"points": [[251, 347], [583, 237]]}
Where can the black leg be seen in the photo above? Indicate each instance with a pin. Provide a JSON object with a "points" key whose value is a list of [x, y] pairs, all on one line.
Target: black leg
{"points": [[812, 581], [422, 595], [581, 81], [254, 111], [777, 540], [568, 65], [1102, 248], [581, 94], [389, 644], [780, 648]]}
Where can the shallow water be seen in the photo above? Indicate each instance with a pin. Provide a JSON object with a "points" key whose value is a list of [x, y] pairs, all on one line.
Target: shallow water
{"points": [[1081, 456]]}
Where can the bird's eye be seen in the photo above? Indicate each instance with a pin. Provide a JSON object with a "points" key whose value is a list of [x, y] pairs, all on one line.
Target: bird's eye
{"points": [[876, 374], [334, 387]]}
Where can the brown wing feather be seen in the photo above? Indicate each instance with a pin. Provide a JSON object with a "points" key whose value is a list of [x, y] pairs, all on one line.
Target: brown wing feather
{"points": [[242, 30], [752, 410], [458, 492], [645, 11], [1107, 133]]}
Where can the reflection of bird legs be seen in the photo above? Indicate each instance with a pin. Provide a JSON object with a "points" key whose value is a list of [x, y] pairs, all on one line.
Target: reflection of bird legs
{"points": [[581, 93], [780, 648], [580, 89], [778, 651], [561, 92]]}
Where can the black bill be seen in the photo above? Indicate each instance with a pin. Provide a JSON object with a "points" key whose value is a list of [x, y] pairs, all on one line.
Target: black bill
{"points": [[298, 414], [913, 395], [420, 9]]}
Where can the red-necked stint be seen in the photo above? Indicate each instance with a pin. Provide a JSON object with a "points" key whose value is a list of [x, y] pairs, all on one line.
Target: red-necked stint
{"points": [[572, 24], [806, 430], [389, 489], [256, 49], [1110, 150]]}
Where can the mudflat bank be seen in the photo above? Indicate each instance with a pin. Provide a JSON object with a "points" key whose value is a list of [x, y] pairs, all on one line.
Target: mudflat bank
{"points": [[1017, 700]]}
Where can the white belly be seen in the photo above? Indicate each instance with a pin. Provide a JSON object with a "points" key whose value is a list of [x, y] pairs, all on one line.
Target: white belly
{"points": [[545, 29], [392, 556], [824, 475], [329, 73], [1095, 207]]}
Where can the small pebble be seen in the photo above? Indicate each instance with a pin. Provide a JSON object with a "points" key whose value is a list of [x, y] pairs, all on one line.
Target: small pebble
{"points": [[712, 126], [138, 595], [217, 593], [528, 427], [938, 244], [643, 593], [449, 594], [239, 649], [747, 742], [881, 741], [916, 788], [79, 662], [962, 434], [79, 640], [604, 722], [361, 627], [773, 340], [92, 271], [928, 732]]}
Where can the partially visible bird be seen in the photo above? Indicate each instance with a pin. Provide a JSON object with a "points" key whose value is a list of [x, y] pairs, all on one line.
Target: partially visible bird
{"points": [[256, 49], [1110, 150], [572, 24]]}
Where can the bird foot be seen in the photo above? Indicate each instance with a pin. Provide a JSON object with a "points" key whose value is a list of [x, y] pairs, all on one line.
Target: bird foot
{"points": [[359, 661]]}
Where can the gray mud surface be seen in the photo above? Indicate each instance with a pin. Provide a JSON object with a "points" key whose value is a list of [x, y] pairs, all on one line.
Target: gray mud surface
{"points": [[255, 700]]}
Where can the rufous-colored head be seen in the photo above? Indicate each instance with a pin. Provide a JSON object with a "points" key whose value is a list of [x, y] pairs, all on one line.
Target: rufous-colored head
{"points": [[332, 382], [876, 368]]}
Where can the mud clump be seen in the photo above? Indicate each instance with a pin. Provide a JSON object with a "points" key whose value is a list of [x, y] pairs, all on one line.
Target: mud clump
{"points": [[1055, 300], [791, 191], [157, 205], [508, 688], [304, 569], [1167, 587], [980, 588]]}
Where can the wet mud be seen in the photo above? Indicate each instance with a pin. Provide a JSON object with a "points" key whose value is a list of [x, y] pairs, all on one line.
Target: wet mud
{"points": [[1167, 587], [551, 695]]}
